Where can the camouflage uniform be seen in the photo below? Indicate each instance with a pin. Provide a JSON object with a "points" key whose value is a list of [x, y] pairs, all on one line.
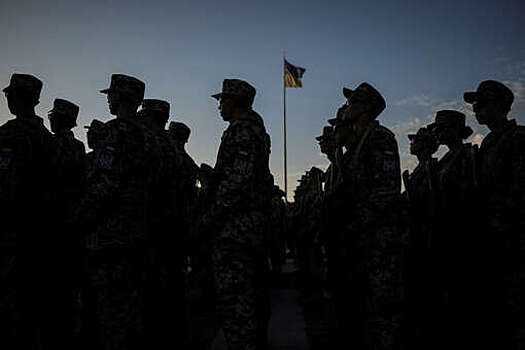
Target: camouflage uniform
{"points": [[164, 296], [68, 249], [329, 208], [27, 162], [112, 214], [277, 233], [187, 173], [238, 213], [501, 176], [372, 245], [421, 188], [95, 135]]}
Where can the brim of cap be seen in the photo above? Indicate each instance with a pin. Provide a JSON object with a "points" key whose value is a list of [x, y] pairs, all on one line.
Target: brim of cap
{"points": [[6, 89], [411, 136], [347, 92], [105, 91], [217, 96], [332, 121], [470, 97], [320, 138]]}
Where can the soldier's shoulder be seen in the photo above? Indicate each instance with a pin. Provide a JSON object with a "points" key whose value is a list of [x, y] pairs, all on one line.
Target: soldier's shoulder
{"points": [[382, 137]]}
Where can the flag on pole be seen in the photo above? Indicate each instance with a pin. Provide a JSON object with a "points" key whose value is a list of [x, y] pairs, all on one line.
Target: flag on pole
{"points": [[293, 75]]}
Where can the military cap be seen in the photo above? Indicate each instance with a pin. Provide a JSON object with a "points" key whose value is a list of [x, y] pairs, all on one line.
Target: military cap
{"points": [[237, 87], [95, 125], [65, 108], [315, 171], [366, 93], [490, 90], [449, 117], [24, 82], [129, 86], [422, 133], [152, 105], [181, 130], [328, 131]]}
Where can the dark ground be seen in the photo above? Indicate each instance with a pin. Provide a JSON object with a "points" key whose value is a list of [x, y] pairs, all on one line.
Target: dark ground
{"points": [[296, 324]]}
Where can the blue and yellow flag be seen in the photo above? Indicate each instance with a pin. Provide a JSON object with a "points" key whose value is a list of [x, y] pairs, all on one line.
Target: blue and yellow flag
{"points": [[293, 75]]}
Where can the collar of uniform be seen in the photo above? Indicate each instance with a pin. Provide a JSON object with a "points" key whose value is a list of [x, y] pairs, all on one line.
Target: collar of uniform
{"points": [[494, 135]]}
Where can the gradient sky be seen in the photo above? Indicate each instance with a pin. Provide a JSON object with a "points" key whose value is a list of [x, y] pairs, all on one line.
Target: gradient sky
{"points": [[421, 55]]}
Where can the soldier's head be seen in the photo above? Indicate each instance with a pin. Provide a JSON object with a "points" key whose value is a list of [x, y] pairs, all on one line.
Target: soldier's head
{"points": [[236, 98], [423, 144], [327, 141], [179, 132], [365, 104], [95, 133], [63, 116], [154, 114], [23, 94], [491, 101], [449, 127], [342, 129], [125, 94]]}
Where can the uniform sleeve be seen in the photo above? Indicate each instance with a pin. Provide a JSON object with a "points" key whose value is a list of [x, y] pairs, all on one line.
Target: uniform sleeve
{"points": [[382, 179], [238, 169]]}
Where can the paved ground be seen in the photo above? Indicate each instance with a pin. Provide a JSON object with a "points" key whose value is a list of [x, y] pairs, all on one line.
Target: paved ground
{"points": [[287, 327], [296, 323]]}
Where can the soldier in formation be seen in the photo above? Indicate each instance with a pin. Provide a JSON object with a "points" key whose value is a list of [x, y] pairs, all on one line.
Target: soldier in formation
{"points": [[94, 246], [238, 213]]}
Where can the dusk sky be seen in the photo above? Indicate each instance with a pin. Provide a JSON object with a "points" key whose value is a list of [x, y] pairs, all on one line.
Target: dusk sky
{"points": [[421, 55]]}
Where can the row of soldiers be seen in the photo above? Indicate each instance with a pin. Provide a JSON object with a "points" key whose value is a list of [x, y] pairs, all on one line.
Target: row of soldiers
{"points": [[94, 246], [439, 266]]}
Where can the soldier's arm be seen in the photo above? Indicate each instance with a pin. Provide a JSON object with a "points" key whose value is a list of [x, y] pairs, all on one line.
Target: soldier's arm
{"points": [[238, 171], [383, 178]]}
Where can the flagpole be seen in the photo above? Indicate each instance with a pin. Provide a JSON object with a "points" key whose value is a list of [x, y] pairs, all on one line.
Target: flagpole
{"points": [[285, 165]]}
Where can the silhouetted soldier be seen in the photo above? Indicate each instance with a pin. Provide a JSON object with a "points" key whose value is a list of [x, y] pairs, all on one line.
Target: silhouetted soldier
{"points": [[422, 294], [27, 179], [112, 214], [329, 148], [502, 213], [165, 302], [95, 135], [239, 216], [373, 248], [66, 256], [277, 233], [452, 266], [188, 172]]}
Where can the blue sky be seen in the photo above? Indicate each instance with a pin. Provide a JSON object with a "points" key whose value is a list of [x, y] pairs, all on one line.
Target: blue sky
{"points": [[422, 55]]}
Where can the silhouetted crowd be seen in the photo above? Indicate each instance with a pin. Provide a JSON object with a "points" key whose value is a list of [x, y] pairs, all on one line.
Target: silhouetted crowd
{"points": [[99, 249]]}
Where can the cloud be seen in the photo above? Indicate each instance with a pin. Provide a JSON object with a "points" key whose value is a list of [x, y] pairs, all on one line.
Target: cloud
{"points": [[476, 139], [417, 100]]}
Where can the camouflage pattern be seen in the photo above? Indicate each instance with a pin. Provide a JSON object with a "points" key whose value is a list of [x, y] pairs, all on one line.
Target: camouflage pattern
{"points": [[27, 162], [112, 215], [242, 182], [236, 87], [502, 189], [371, 295]]}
